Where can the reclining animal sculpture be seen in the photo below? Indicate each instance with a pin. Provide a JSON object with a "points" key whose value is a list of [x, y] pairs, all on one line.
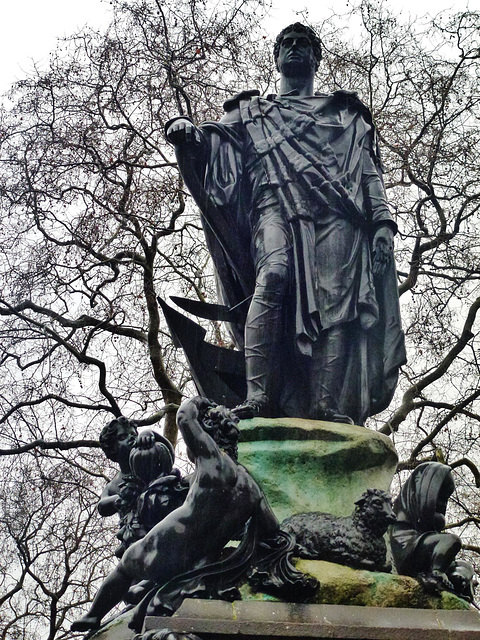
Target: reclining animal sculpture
{"points": [[355, 540]]}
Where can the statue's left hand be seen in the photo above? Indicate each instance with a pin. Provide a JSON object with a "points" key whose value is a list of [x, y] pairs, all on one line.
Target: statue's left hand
{"points": [[382, 248]]}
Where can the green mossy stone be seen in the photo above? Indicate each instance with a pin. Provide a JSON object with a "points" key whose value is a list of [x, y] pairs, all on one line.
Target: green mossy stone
{"points": [[345, 586], [310, 465]]}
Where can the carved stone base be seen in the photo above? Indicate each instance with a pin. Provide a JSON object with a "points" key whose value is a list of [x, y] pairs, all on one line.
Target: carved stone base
{"points": [[310, 465], [273, 620]]}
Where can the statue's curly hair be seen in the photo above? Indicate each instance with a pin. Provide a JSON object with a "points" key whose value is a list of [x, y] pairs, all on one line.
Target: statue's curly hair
{"points": [[300, 28], [108, 436], [221, 424]]}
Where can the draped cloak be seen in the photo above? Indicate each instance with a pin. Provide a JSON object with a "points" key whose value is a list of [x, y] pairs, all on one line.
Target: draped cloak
{"points": [[319, 158], [430, 484]]}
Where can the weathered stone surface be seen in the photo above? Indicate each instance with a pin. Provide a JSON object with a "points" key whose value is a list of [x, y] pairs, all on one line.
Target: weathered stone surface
{"points": [[117, 629], [345, 586], [341, 589], [310, 465], [221, 620]]}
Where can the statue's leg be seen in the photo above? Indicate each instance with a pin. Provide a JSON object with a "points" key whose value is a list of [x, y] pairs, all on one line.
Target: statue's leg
{"points": [[433, 556], [111, 592], [444, 548], [347, 308], [263, 328], [329, 368]]}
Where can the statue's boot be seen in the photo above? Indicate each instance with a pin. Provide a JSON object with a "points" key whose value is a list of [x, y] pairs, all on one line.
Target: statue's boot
{"points": [[323, 412], [252, 407], [329, 369]]}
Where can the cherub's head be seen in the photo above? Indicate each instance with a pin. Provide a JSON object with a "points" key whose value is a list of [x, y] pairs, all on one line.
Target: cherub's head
{"points": [[221, 424], [118, 437]]}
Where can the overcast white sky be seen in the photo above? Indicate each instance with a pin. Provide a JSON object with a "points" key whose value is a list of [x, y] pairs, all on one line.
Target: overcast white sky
{"points": [[29, 28]]}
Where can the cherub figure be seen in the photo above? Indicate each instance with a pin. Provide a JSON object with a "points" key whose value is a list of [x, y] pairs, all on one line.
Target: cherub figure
{"points": [[121, 443], [222, 499], [117, 439]]}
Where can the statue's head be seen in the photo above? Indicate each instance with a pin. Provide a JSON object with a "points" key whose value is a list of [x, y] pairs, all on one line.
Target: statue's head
{"points": [[118, 437], [424, 496], [221, 424], [307, 44]]}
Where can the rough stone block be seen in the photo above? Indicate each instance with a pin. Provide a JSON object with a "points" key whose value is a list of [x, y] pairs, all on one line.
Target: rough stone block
{"points": [[275, 620], [341, 585], [310, 465]]}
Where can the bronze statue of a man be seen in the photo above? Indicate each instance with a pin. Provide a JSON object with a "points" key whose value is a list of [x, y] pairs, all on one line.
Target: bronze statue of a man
{"points": [[296, 219]]}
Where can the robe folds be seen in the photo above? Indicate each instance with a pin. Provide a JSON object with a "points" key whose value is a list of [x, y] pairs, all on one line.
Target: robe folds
{"points": [[422, 499], [317, 158]]}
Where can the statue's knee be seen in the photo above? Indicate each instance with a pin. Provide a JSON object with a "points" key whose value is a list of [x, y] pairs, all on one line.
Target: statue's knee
{"points": [[456, 543], [449, 543], [444, 548], [272, 280]]}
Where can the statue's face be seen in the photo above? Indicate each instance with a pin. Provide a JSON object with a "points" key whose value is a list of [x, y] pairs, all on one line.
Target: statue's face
{"points": [[126, 436], [296, 57]]}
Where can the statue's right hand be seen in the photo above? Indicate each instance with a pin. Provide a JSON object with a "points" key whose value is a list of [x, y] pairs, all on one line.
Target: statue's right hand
{"points": [[183, 132], [145, 439]]}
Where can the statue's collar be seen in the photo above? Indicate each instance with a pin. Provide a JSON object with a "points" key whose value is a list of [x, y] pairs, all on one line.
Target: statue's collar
{"points": [[293, 93]]}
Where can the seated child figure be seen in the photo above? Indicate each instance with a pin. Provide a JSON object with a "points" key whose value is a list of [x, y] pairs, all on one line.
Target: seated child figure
{"points": [[420, 547]]}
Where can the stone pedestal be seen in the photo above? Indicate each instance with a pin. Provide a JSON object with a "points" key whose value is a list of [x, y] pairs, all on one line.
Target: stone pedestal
{"points": [[310, 465], [303, 466], [215, 620], [369, 595]]}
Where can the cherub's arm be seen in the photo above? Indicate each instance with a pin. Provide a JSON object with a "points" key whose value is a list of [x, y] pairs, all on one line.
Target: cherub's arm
{"points": [[108, 500], [199, 443]]}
